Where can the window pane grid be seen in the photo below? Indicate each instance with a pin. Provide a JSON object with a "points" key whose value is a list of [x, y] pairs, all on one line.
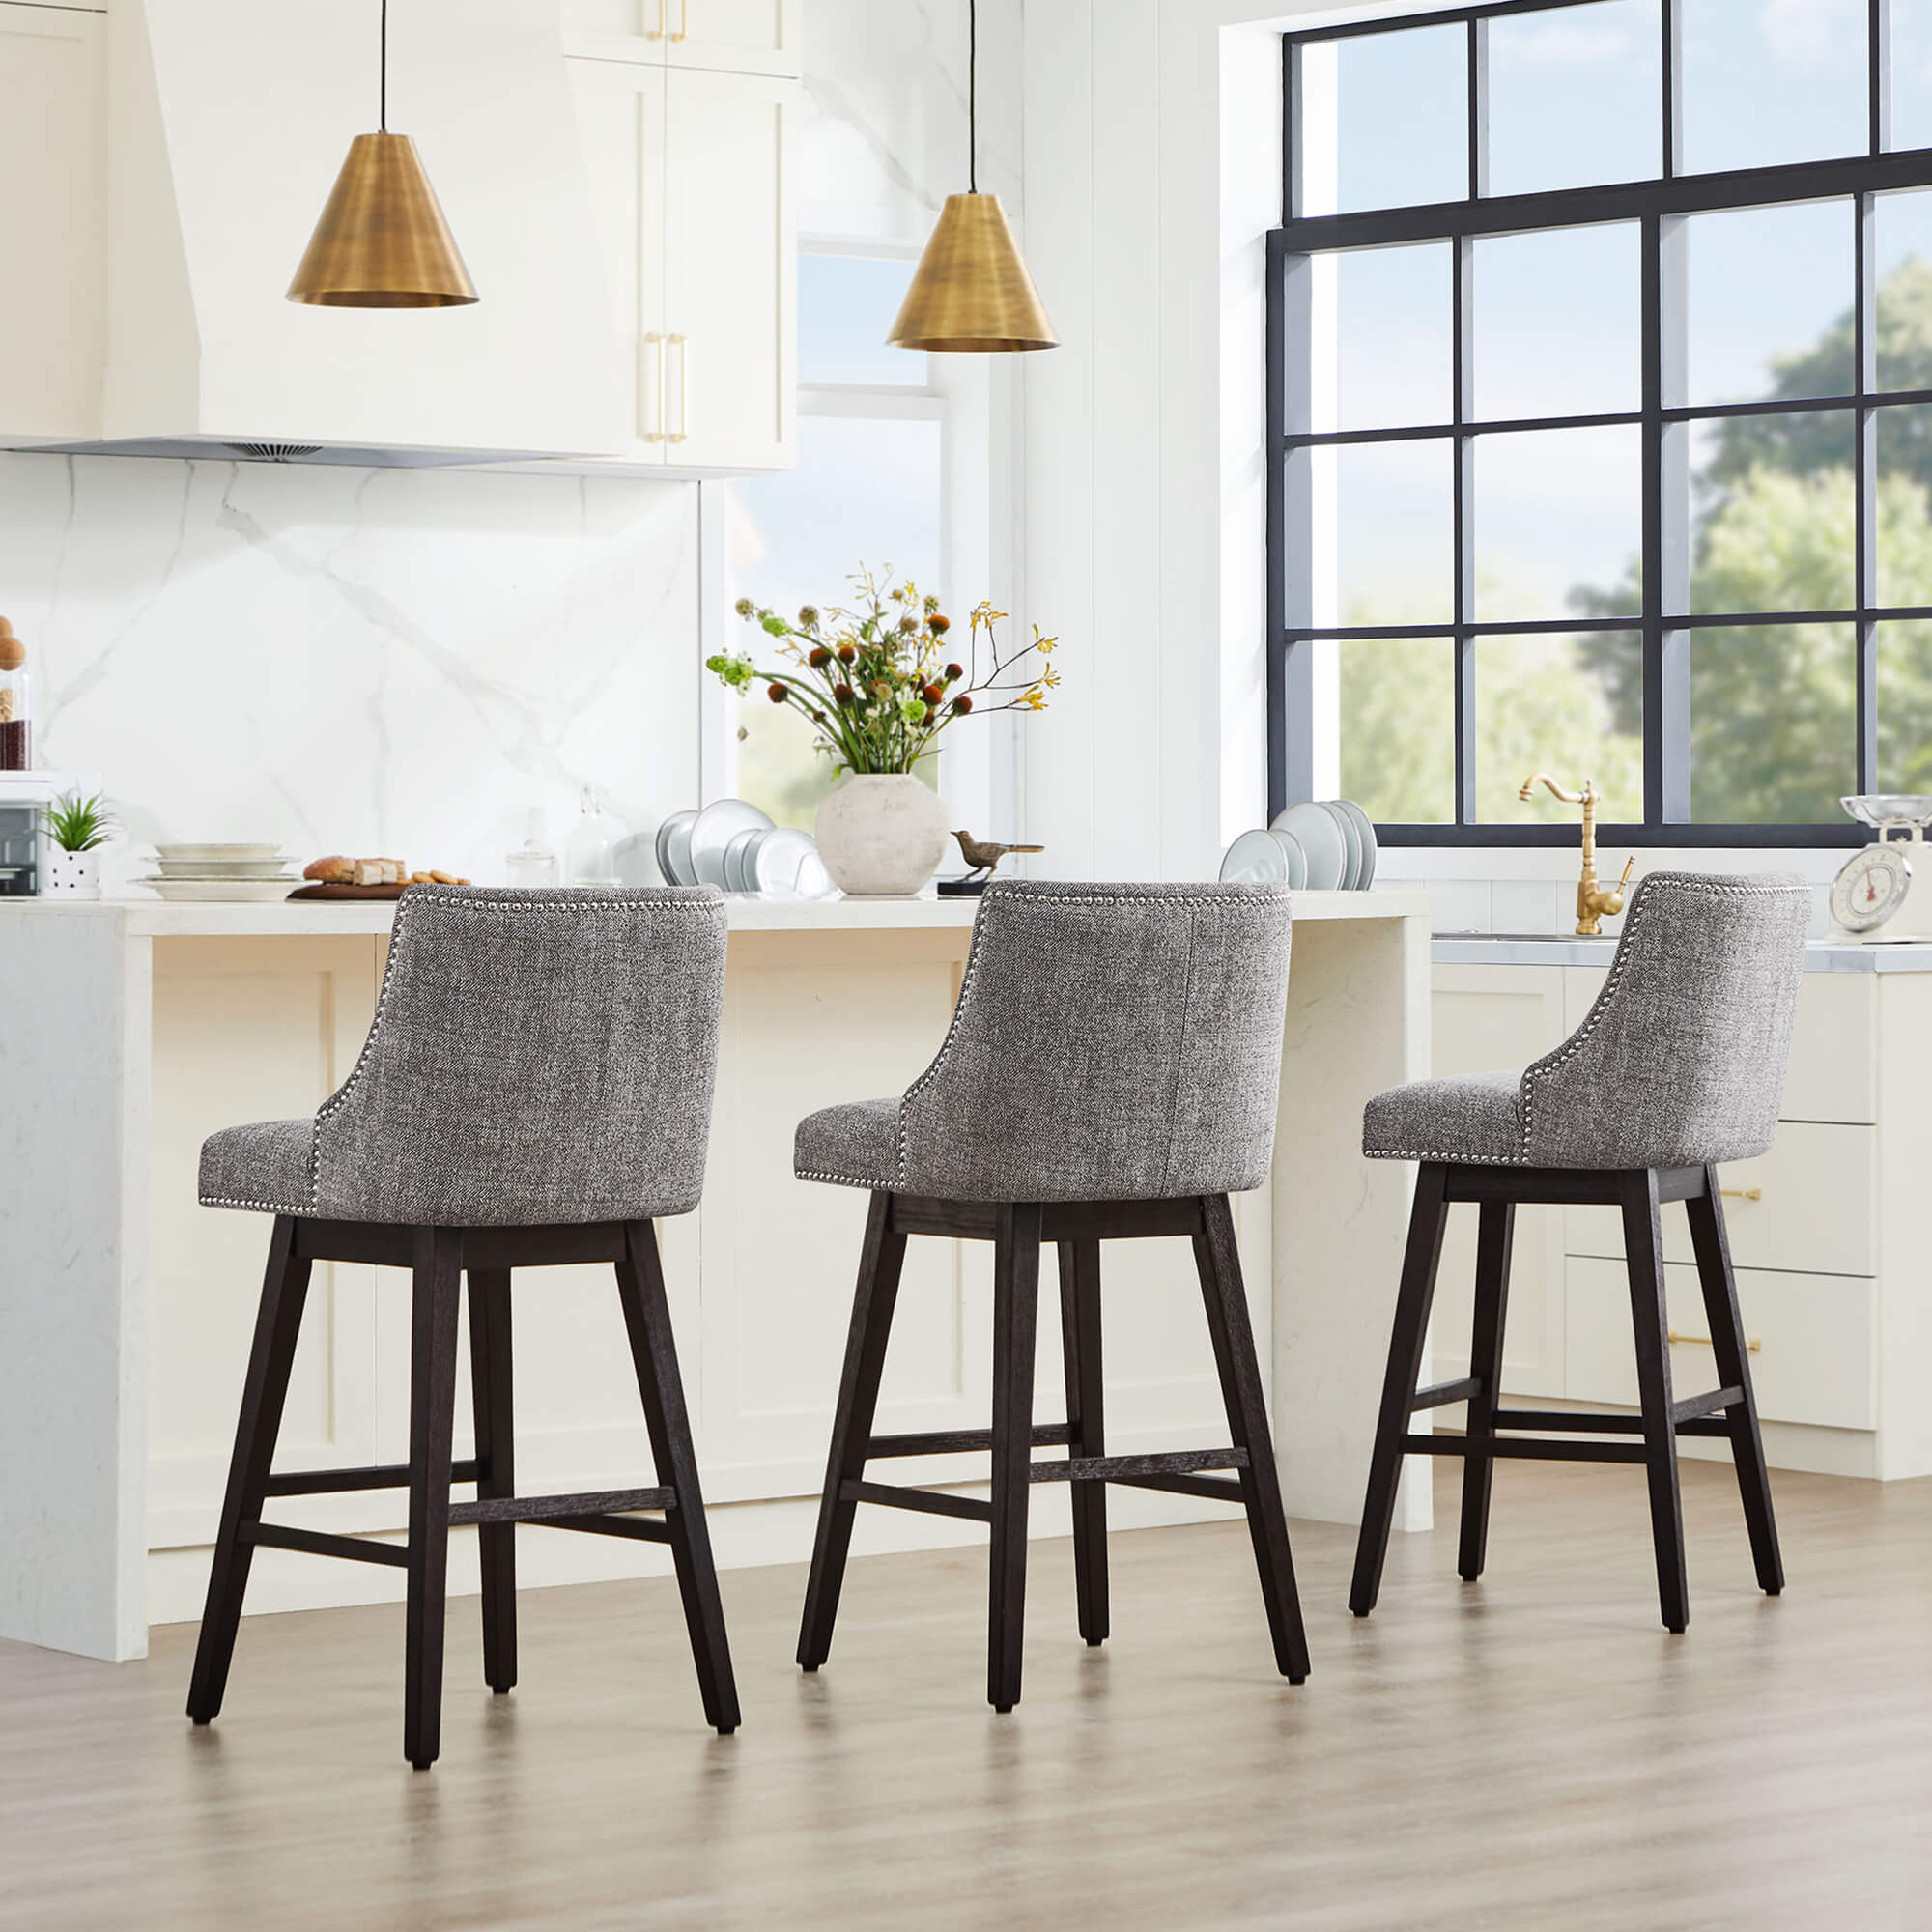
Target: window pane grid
{"points": [[1869, 556]]}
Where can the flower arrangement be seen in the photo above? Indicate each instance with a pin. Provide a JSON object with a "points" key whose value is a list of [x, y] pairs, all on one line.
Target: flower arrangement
{"points": [[876, 681]]}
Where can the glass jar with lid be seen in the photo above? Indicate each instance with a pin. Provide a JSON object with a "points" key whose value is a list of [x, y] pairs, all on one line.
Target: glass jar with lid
{"points": [[16, 749]]}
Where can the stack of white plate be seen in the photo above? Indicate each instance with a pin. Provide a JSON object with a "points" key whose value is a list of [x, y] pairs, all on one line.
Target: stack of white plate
{"points": [[736, 847], [230, 874], [1322, 845]]}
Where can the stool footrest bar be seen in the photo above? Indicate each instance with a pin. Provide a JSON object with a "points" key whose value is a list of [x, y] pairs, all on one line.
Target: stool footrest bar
{"points": [[1446, 1392], [928, 1502], [1523, 1449], [1569, 1423], [638, 1528], [332, 1482], [1211, 1488], [950, 1441], [544, 1509], [1694, 1407], [319, 1543], [1120, 1468]]}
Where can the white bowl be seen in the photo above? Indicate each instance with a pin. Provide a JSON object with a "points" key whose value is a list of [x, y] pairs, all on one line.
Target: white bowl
{"points": [[218, 855], [218, 868]]}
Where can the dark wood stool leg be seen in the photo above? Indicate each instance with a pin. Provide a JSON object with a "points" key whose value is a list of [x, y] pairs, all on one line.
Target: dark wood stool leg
{"points": [[490, 1383], [277, 1327], [1733, 1361], [1080, 1342], [1496, 1231], [654, 1350], [1412, 1301], [437, 1297], [1218, 1261], [880, 1260], [1015, 1337], [1643, 1249]]}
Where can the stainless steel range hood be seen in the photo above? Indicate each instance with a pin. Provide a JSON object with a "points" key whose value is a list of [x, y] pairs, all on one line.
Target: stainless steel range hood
{"points": [[227, 122]]}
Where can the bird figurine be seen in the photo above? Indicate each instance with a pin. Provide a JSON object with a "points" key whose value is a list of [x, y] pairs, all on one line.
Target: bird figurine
{"points": [[983, 855]]}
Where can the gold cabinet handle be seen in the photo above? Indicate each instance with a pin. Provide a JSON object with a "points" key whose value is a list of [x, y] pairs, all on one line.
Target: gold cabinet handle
{"points": [[656, 33], [683, 348], [1742, 1193], [656, 341], [1753, 1342], [683, 19]]}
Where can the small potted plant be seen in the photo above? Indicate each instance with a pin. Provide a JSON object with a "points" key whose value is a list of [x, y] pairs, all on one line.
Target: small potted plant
{"points": [[77, 828], [879, 684]]}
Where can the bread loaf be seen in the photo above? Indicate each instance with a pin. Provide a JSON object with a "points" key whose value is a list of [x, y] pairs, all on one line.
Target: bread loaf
{"points": [[335, 871]]}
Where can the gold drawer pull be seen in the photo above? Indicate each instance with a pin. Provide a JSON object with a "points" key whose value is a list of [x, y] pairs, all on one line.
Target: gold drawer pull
{"points": [[1742, 1193], [1751, 1342]]}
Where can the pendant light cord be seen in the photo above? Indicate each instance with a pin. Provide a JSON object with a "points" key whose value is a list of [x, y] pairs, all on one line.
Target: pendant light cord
{"points": [[972, 95], [384, 95]]}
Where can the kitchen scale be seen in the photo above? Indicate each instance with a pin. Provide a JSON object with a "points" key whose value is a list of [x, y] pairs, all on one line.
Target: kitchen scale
{"points": [[1882, 894]]}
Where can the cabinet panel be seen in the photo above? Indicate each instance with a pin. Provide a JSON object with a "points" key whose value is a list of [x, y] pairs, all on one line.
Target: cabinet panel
{"points": [[731, 36], [738, 36], [53, 220], [1813, 1213], [245, 1031], [1833, 1074], [1486, 1018], [731, 274], [620, 113], [1815, 1362]]}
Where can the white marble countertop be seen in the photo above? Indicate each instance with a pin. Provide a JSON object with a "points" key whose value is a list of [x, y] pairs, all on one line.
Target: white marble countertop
{"points": [[1515, 948], [147, 918]]}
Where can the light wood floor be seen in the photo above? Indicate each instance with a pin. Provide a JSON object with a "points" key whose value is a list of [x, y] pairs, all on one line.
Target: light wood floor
{"points": [[1531, 1752]]}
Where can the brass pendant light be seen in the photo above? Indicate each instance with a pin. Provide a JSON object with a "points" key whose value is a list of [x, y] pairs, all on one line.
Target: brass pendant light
{"points": [[972, 291], [381, 241]]}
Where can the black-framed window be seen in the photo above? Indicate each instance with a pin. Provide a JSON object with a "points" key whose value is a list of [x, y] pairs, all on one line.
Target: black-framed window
{"points": [[1600, 401]]}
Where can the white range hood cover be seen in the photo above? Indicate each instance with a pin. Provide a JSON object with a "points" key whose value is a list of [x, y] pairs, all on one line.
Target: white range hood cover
{"points": [[230, 120]]}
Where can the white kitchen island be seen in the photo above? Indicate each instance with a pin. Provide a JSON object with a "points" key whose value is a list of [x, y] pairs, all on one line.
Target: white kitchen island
{"points": [[131, 1030]]}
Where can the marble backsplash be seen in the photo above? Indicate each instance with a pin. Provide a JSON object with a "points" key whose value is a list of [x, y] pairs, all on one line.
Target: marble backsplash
{"points": [[384, 661]]}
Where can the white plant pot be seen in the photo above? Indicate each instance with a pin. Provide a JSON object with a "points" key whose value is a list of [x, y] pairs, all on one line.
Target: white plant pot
{"points": [[70, 876], [881, 835]]}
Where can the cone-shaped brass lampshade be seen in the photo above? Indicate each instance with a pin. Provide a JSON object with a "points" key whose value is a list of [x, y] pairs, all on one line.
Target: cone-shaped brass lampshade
{"points": [[972, 291], [381, 241]]}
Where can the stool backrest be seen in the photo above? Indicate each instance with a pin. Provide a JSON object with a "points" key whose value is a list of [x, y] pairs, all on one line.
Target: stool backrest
{"points": [[536, 1057], [1111, 1042], [1680, 1061]]}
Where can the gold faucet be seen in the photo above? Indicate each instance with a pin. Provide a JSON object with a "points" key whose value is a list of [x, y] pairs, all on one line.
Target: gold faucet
{"points": [[1592, 900]]}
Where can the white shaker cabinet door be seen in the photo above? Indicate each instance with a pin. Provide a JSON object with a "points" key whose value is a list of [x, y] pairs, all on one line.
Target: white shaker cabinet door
{"points": [[620, 113], [736, 35], [731, 281], [53, 220]]}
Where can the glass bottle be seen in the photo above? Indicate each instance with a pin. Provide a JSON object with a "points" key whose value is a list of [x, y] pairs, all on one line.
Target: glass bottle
{"points": [[16, 746], [533, 865], [591, 855]]}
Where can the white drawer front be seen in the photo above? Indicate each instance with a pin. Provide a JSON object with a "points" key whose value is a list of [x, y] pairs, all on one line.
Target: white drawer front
{"points": [[1816, 1362], [1813, 1210]]}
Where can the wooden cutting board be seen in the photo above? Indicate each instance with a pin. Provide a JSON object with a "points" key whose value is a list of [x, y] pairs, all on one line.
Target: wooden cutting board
{"points": [[349, 892]]}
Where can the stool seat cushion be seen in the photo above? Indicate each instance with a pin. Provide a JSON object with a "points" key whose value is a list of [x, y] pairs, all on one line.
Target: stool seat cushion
{"points": [[1475, 1117], [1680, 1062], [268, 1167], [856, 1144], [1111, 1042]]}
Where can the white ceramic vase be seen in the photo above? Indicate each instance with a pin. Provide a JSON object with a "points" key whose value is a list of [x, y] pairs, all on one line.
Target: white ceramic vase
{"points": [[70, 876], [881, 835]]}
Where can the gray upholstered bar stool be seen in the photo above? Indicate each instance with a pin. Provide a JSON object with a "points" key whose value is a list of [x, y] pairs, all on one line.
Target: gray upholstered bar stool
{"points": [[1677, 1068], [535, 1090], [1110, 1073]]}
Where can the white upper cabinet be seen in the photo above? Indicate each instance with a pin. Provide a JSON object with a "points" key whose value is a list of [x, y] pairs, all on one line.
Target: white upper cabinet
{"points": [[730, 36], [691, 176], [53, 220]]}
